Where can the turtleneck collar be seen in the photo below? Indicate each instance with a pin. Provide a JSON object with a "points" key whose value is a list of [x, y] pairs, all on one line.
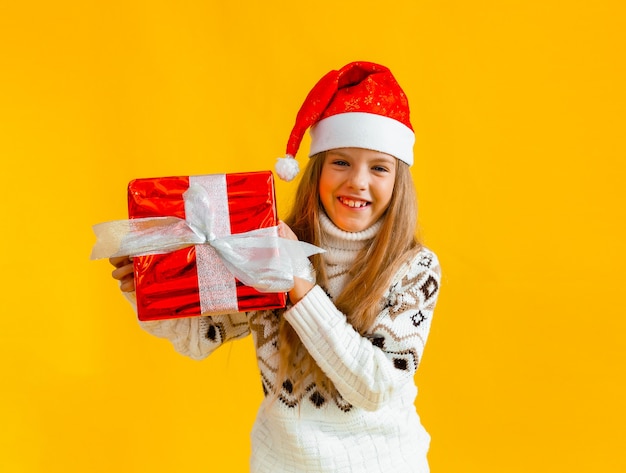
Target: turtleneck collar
{"points": [[335, 237], [342, 249]]}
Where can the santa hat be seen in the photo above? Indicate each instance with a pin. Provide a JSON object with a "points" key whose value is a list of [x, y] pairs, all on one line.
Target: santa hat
{"points": [[359, 106]]}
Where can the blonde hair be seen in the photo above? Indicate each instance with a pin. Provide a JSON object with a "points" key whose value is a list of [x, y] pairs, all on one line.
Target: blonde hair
{"points": [[370, 275]]}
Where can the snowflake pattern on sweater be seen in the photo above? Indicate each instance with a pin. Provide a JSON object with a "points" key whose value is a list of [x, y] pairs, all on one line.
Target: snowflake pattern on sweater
{"points": [[373, 413], [399, 332]]}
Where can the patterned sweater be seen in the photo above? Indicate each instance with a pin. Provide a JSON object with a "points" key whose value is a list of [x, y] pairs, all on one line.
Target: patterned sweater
{"points": [[371, 424]]}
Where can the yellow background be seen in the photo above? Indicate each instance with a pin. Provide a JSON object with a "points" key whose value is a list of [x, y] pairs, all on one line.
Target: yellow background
{"points": [[519, 109]]}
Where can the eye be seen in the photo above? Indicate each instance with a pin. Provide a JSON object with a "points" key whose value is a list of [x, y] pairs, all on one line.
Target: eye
{"points": [[380, 169], [340, 162]]}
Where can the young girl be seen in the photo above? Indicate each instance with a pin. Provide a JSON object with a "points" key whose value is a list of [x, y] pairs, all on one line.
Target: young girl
{"points": [[337, 365]]}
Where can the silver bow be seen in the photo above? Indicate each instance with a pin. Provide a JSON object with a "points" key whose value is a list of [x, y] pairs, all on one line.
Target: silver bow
{"points": [[258, 258]]}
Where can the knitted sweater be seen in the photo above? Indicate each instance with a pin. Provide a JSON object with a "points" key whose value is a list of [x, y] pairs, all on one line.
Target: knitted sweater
{"points": [[371, 424]]}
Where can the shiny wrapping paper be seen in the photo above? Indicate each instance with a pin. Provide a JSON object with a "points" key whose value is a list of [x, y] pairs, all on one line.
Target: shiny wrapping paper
{"points": [[193, 280]]}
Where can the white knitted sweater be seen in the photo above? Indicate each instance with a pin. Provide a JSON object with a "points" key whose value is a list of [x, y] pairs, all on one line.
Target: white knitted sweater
{"points": [[372, 425]]}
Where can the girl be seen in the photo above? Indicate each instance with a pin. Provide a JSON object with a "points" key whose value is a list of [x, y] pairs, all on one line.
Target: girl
{"points": [[337, 365]]}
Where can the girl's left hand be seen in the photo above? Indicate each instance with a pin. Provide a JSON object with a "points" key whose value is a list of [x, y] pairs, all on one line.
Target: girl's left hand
{"points": [[301, 286]]}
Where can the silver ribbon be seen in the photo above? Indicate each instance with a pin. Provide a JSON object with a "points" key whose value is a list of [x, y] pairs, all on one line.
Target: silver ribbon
{"points": [[258, 258]]}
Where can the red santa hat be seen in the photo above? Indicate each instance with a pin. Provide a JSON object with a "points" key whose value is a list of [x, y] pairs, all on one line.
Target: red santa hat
{"points": [[360, 105]]}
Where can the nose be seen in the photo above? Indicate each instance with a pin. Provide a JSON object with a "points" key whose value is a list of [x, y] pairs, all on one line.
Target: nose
{"points": [[359, 177]]}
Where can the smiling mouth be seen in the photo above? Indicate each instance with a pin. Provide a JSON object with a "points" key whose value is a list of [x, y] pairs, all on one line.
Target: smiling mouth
{"points": [[354, 203]]}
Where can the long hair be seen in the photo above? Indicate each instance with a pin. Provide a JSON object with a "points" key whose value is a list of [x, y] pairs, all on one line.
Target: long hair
{"points": [[370, 275]]}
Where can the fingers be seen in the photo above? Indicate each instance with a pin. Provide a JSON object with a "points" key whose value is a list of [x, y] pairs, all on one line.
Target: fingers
{"points": [[124, 272], [126, 276], [127, 284], [285, 232], [118, 261]]}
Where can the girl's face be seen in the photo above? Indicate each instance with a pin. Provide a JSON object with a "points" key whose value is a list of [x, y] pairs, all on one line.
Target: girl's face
{"points": [[356, 185]]}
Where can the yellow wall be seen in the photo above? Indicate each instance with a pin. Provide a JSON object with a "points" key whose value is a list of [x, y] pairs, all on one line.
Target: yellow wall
{"points": [[519, 110]]}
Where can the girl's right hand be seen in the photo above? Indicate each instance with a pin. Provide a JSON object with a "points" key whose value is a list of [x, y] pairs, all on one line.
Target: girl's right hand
{"points": [[124, 272]]}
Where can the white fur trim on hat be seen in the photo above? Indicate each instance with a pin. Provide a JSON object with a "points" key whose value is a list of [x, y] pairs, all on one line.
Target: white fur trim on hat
{"points": [[363, 130]]}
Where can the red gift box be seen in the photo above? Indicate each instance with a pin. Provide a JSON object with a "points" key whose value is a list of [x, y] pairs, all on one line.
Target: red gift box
{"points": [[193, 280]]}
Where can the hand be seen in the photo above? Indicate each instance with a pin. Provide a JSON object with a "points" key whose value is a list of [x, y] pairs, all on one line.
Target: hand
{"points": [[301, 286], [124, 272]]}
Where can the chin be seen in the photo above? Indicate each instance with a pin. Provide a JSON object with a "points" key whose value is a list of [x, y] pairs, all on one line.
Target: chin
{"points": [[353, 228]]}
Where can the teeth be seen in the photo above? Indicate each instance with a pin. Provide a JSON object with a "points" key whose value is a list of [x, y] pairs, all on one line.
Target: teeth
{"points": [[354, 203]]}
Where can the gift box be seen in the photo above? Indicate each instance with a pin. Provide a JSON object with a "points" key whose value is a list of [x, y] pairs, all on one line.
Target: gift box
{"points": [[194, 280]]}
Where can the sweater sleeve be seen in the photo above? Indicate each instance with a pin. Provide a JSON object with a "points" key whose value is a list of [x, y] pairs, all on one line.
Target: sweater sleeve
{"points": [[197, 337], [367, 370]]}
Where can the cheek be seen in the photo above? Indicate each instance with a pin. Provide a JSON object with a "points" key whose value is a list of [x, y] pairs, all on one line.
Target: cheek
{"points": [[326, 186], [384, 195]]}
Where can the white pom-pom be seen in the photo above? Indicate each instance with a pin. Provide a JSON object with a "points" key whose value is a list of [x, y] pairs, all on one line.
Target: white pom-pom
{"points": [[287, 168]]}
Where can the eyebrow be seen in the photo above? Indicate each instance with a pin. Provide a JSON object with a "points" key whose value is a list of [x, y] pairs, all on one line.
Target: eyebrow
{"points": [[387, 159], [345, 155]]}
